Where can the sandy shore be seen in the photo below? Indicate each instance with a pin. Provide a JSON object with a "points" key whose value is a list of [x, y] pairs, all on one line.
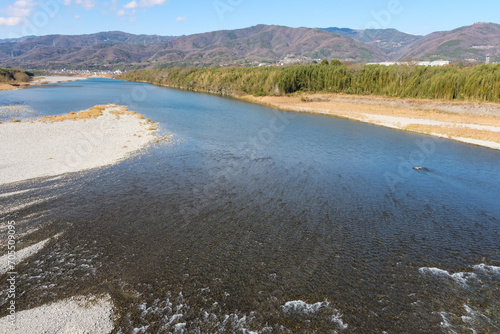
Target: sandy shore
{"points": [[76, 315], [54, 79], [9, 113], [4, 87], [472, 123], [100, 136], [51, 146], [40, 81]]}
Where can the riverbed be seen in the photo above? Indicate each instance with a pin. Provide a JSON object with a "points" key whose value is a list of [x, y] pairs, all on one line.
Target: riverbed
{"points": [[259, 220]]}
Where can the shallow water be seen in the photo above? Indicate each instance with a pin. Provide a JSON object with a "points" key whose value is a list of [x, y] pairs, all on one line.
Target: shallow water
{"points": [[257, 220]]}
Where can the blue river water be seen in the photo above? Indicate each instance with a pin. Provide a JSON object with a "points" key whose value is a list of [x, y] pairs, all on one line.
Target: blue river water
{"points": [[253, 220]]}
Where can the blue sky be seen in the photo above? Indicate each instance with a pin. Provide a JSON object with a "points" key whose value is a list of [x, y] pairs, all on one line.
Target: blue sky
{"points": [[177, 17]]}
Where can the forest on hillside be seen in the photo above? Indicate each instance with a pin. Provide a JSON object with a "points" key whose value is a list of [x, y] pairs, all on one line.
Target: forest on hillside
{"points": [[478, 83]]}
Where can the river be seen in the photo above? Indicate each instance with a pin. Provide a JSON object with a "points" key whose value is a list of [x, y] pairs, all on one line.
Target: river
{"points": [[253, 220]]}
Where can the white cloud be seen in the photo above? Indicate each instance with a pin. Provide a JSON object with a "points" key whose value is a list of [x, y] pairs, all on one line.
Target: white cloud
{"points": [[130, 9], [144, 3], [16, 12], [181, 18], [10, 21], [130, 5], [87, 4]]}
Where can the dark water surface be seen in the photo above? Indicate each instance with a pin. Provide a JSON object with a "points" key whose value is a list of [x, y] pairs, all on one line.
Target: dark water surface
{"points": [[259, 221]]}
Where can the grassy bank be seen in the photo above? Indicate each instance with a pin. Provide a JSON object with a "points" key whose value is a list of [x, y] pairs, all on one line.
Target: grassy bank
{"points": [[473, 123], [9, 76], [447, 102], [479, 83], [12, 78]]}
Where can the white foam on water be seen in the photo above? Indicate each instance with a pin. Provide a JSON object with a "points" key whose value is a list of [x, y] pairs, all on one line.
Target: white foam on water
{"points": [[473, 321], [487, 269], [140, 330], [180, 328], [461, 278], [475, 316], [337, 319], [481, 277], [301, 307], [446, 322], [174, 318], [172, 312]]}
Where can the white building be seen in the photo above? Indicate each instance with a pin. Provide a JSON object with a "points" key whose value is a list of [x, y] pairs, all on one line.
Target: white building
{"points": [[417, 63]]}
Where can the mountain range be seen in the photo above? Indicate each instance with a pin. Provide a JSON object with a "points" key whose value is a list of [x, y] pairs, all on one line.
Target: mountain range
{"points": [[267, 44], [389, 41]]}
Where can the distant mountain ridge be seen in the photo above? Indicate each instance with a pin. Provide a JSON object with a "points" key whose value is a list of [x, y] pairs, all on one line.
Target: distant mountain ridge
{"points": [[249, 46], [110, 37], [261, 43], [390, 41], [272, 43], [15, 40], [470, 43]]}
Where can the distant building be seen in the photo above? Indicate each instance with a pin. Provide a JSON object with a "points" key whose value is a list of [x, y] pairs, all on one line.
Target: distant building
{"points": [[418, 63], [487, 58], [385, 63], [435, 63]]}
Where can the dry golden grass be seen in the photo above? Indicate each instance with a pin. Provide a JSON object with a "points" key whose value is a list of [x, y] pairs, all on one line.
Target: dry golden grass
{"points": [[4, 87], [122, 110], [456, 131], [93, 112]]}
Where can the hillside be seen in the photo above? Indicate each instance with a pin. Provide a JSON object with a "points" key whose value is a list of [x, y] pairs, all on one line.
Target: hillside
{"points": [[94, 51], [110, 37], [466, 43], [389, 41], [15, 40], [119, 50], [12, 78], [271, 43], [251, 46]]}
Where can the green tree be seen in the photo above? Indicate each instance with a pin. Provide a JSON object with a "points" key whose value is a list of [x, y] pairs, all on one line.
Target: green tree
{"points": [[335, 62], [324, 62]]}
